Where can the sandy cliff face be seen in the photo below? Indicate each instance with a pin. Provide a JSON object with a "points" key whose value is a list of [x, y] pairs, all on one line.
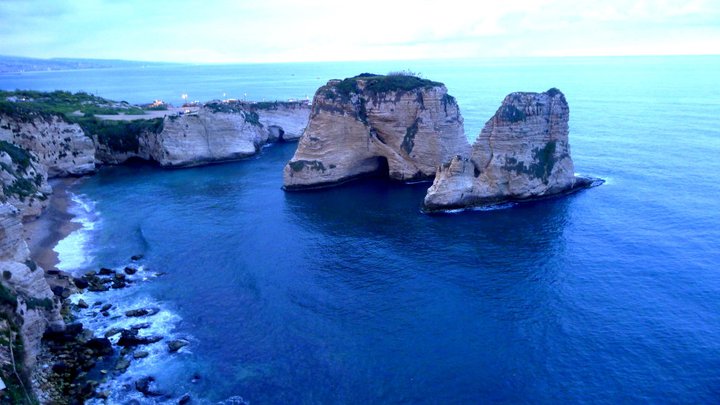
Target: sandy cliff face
{"points": [[401, 126], [60, 146], [522, 153], [24, 281]]}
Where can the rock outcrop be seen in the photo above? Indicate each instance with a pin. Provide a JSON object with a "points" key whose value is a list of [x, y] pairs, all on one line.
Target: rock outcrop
{"points": [[521, 154], [23, 180], [284, 121], [60, 146], [400, 126], [27, 303], [217, 132]]}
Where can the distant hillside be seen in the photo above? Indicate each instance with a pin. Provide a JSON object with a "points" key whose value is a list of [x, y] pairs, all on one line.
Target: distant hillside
{"points": [[13, 64]]}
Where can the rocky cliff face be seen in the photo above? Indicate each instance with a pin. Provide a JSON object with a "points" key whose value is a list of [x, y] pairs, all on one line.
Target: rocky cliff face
{"points": [[213, 134], [401, 126], [522, 153], [219, 131], [23, 180], [60, 146], [284, 122], [27, 305]]}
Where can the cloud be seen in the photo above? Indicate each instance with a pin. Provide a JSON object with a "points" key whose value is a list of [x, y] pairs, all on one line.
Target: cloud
{"points": [[285, 30]]}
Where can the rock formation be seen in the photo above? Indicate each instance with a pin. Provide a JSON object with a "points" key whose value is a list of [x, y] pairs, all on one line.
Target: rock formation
{"points": [[27, 303], [217, 132], [521, 154], [284, 121], [60, 146], [401, 126], [23, 180]]}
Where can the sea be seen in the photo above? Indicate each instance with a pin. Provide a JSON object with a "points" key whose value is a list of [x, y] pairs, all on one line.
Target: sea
{"points": [[352, 295]]}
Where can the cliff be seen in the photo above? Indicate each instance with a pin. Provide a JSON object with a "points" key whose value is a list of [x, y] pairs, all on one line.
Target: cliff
{"points": [[399, 126], [217, 132], [23, 180], [60, 146], [284, 121], [27, 305], [522, 153]]}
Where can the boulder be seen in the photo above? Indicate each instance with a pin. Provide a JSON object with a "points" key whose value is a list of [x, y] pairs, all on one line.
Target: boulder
{"points": [[130, 338], [142, 312], [177, 344]]}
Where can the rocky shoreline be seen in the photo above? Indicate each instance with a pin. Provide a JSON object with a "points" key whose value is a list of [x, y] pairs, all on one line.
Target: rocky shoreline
{"points": [[75, 364]]}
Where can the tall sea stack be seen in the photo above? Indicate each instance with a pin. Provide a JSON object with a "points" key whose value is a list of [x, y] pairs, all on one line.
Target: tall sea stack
{"points": [[521, 154], [399, 126]]}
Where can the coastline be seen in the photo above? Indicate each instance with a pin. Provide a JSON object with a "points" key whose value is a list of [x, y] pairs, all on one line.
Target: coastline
{"points": [[52, 226]]}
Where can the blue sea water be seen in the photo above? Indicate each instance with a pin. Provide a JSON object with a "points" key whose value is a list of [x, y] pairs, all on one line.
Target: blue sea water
{"points": [[352, 295]]}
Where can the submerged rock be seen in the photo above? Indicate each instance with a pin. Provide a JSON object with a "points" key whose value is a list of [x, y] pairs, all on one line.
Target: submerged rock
{"points": [[140, 354], [175, 345], [145, 386], [100, 346], [399, 126], [521, 154], [142, 312], [131, 338]]}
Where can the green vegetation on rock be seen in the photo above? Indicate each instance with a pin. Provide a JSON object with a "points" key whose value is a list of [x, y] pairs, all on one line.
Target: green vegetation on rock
{"points": [[252, 118], [376, 84], [409, 140], [541, 168], [19, 103], [299, 165], [19, 156], [512, 114], [21, 187], [121, 136]]}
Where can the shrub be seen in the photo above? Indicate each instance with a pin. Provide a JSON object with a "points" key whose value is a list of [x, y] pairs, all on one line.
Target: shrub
{"points": [[19, 156]]}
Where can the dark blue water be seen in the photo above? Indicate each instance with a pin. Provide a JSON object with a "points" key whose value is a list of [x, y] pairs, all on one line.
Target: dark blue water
{"points": [[351, 295]]}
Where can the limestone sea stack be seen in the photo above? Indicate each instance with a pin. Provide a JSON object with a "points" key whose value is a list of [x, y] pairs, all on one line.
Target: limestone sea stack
{"points": [[521, 154], [400, 126]]}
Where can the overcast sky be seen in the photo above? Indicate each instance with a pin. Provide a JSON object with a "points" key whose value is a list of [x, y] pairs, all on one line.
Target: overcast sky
{"points": [[332, 30]]}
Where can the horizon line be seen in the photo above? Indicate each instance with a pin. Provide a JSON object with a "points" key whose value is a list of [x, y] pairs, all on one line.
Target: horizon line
{"points": [[260, 62]]}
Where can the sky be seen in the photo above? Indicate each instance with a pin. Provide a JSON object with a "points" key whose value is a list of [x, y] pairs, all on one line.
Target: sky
{"points": [[234, 31]]}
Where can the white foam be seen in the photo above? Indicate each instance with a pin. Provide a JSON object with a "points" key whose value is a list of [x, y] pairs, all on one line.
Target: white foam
{"points": [[159, 360], [503, 206], [73, 253]]}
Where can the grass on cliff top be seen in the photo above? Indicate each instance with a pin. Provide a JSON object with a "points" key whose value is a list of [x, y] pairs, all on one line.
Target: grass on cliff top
{"points": [[23, 103], [396, 81]]}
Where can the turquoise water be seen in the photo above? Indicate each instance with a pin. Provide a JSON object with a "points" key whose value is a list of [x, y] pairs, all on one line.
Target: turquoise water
{"points": [[351, 295]]}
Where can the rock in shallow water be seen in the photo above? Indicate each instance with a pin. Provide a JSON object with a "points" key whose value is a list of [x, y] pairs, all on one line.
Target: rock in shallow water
{"points": [[145, 386], [175, 345], [132, 338], [142, 312]]}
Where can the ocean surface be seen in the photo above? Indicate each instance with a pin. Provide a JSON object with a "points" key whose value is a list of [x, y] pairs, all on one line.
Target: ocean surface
{"points": [[352, 296]]}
